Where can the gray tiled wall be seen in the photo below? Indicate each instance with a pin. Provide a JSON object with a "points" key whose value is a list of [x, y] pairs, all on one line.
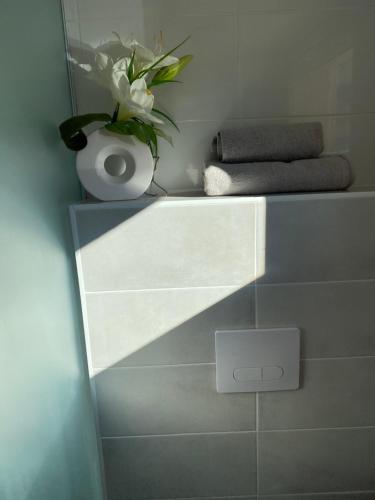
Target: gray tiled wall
{"points": [[157, 279]]}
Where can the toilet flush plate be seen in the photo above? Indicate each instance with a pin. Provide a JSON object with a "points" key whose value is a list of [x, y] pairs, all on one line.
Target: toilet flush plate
{"points": [[257, 360]]}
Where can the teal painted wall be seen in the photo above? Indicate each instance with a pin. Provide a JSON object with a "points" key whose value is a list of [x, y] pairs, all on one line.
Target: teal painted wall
{"points": [[48, 447]]}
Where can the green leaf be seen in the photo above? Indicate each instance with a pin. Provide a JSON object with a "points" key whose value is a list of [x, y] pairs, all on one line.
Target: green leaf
{"points": [[141, 130], [131, 68], [150, 135], [153, 140], [164, 115], [123, 128], [169, 73], [160, 133], [145, 71], [161, 82], [71, 130]]}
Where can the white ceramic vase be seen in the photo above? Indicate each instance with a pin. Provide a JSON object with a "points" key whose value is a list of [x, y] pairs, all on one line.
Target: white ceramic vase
{"points": [[115, 167]]}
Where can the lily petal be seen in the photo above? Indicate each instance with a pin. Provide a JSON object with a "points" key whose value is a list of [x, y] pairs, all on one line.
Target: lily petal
{"points": [[141, 96]]}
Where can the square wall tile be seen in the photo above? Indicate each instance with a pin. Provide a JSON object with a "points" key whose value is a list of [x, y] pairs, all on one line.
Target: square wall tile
{"points": [[333, 393], [180, 466], [317, 461], [209, 89], [99, 9], [169, 400], [98, 31], [343, 326], [326, 237], [306, 62], [269, 5], [190, 8], [323, 496], [168, 245], [156, 327]]}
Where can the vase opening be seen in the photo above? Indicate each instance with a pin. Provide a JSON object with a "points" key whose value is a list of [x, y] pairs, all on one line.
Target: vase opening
{"points": [[115, 165]]}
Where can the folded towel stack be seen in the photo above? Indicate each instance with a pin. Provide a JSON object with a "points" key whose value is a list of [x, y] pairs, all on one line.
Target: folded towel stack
{"points": [[274, 159]]}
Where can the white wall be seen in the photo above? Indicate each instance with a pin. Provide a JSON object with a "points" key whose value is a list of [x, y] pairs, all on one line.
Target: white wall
{"points": [[255, 60]]}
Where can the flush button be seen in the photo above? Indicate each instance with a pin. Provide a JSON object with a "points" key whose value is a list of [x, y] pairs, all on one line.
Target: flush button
{"points": [[258, 373], [272, 372], [247, 374], [257, 360]]}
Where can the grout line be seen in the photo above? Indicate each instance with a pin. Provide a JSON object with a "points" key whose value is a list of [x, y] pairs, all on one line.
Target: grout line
{"points": [[257, 443], [256, 326], [217, 433], [255, 248], [225, 433], [275, 495], [166, 289], [326, 282], [339, 358], [320, 494], [241, 286], [353, 428], [251, 496], [273, 118], [208, 498], [178, 365], [254, 283], [97, 369], [237, 58]]}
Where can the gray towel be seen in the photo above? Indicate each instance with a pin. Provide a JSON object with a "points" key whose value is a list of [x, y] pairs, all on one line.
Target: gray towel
{"points": [[270, 143], [328, 173]]}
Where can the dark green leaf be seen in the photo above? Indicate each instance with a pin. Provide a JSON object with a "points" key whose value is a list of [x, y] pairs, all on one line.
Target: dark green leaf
{"points": [[123, 128], [71, 129], [115, 113], [164, 115], [141, 131]]}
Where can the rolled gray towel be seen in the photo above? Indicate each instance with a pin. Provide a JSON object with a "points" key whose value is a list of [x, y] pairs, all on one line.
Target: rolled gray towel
{"points": [[328, 173], [270, 143]]}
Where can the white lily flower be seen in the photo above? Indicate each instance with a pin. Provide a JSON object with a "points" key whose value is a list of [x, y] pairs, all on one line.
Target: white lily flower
{"points": [[135, 99], [100, 69], [106, 57], [115, 49], [145, 58]]}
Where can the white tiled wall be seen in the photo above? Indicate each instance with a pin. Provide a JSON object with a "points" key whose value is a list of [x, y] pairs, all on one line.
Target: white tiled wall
{"points": [[285, 60]]}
